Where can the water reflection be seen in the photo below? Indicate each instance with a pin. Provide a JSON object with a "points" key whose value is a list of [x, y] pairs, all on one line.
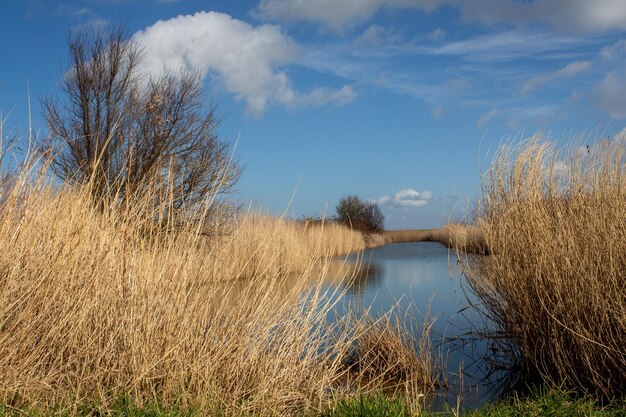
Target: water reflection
{"points": [[423, 278], [365, 276]]}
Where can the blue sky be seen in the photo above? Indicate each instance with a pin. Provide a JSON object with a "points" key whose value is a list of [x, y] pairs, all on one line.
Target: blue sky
{"points": [[398, 101]]}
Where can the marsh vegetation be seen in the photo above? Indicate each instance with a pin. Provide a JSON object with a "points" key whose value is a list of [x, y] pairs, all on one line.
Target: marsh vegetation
{"points": [[125, 275], [98, 303], [555, 221]]}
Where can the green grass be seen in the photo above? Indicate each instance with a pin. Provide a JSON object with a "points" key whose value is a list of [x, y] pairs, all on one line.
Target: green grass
{"points": [[553, 403], [550, 403], [121, 408], [377, 406]]}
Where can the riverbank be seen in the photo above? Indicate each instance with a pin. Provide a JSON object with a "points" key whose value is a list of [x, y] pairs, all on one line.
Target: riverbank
{"points": [[552, 402], [547, 403], [100, 302], [554, 290], [466, 238]]}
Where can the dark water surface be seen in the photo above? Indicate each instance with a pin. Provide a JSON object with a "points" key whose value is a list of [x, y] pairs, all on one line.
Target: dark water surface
{"points": [[426, 279]]}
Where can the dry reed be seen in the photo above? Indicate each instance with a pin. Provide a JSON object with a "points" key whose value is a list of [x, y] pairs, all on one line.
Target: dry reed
{"points": [[96, 304], [263, 245], [555, 221]]}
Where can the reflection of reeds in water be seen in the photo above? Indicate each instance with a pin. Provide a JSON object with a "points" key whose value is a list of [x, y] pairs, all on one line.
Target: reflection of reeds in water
{"points": [[554, 286], [95, 305], [355, 276]]}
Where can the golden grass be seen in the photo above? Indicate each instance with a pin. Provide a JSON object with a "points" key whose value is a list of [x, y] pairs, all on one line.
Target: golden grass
{"points": [[467, 238], [555, 287], [97, 304], [263, 245]]}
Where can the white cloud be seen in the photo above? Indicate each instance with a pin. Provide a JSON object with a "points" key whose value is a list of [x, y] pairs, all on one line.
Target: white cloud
{"points": [[72, 11], [376, 35], [437, 35], [505, 46], [487, 117], [562, 15], [335, 14], [567, 71], [407, 197], [321, 96], [619, 139], [82, 18], [610, 94], [247, 59], [575, 96], [615, 50], [598, 148]]}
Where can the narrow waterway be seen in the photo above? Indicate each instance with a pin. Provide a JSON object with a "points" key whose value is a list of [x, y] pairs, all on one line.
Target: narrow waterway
{"points": [[425, 279]]}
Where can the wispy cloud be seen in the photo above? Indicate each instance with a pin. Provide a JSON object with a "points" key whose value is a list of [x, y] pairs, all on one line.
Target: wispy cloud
{"points": [[376, 35], [335, 15], [487, 117], [610, 94], [81, 17], [437, 111], [499, 67], [505, 46], [567, 71], [247, 59], [492, 71], [437, 35], [615, 50]]}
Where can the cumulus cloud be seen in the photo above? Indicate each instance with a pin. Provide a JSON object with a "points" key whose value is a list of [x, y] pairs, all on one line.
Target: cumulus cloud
{"points": [[610, 94], [562, 15], [407, 197], [247, 59], [567, 71]]}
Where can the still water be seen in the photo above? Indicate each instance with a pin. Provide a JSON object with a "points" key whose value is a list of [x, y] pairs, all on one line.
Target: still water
{"points": [[425, 278]]}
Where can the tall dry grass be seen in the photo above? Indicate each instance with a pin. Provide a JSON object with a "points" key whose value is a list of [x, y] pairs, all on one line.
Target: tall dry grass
{"points": [[96, 304], [555, 287], [265, 245]]}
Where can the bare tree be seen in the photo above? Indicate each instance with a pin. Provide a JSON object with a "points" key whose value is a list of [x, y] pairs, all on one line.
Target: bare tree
{"points": [[125, 132], [360, 215]]}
